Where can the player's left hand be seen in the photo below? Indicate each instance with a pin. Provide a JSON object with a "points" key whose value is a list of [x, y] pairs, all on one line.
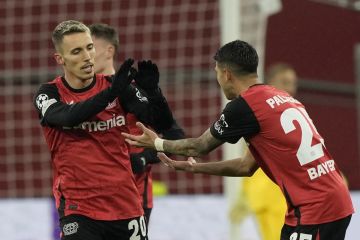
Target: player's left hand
{"points": [[145, 140], [186, 166]]}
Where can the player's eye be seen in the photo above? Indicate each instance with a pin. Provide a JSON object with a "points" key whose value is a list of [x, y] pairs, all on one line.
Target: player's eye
{"points": [[75, 51]]}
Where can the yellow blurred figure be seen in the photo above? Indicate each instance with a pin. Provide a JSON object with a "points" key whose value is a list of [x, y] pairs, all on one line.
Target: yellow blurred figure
{"points": [[268, 204], [159, 188], [259, 195]]}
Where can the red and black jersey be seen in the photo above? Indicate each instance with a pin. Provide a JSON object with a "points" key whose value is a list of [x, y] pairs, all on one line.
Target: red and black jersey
{"points": [[143, 177], [287, 146], [144, 185], [91, 167]]}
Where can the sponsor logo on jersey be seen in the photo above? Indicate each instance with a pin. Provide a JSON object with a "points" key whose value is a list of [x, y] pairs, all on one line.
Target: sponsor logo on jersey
{"points": [[111, 105], [70, 228], [221, 124], [95, 126], [43, 102], [321, 169]]}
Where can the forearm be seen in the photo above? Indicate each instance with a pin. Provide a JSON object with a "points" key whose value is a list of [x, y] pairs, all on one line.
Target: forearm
{"points": [[187, 147], [231, 168], [163, 118], [193, 147], [64, 115]]}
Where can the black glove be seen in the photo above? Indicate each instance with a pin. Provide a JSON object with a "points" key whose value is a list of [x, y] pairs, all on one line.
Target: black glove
{"points": [[138, 163], [123, 77], [147, 77], [140, 160]]}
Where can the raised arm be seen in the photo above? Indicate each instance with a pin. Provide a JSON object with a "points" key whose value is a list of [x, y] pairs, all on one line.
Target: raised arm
{"points": [[147, 79], [53, 112]]}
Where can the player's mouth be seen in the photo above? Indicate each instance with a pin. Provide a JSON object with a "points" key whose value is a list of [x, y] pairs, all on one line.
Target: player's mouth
{"points": [[88, 68]]}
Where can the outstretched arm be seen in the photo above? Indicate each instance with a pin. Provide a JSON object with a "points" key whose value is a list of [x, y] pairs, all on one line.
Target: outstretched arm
{"points": [[239, 167], [189, 146], [54, 112]]}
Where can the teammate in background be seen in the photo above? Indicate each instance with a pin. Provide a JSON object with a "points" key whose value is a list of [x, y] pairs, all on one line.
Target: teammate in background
{"points": [[259, 194], [82, 116], [106, 43], [282, 76], [282, 140]]}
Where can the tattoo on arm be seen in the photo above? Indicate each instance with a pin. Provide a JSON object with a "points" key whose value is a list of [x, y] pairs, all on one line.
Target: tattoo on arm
{"points": [[193, 146]]}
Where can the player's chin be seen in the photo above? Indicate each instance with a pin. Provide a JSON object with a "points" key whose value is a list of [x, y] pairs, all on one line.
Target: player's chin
{"points": [[87, 75]]}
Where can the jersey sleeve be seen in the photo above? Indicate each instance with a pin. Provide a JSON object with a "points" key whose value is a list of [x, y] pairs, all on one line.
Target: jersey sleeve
{"points": [[53, 112], [163, 119], [174, 132], [237, 120]]}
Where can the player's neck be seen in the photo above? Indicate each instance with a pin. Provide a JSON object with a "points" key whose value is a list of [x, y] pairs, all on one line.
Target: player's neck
{"points": [[77, 83], [108, 70], [244, 83]]}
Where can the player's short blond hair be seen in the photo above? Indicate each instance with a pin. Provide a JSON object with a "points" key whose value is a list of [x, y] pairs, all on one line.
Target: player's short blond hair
{"points": [[65, 28]]}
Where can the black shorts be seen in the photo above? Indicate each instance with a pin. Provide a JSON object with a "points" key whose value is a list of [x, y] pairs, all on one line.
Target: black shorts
{"points": [[78, 227], [147, 213], [326, 231]]}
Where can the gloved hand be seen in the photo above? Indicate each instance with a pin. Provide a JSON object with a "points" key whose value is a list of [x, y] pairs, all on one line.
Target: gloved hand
{"points": [[140, 160], [147, 76], [123, 77]]}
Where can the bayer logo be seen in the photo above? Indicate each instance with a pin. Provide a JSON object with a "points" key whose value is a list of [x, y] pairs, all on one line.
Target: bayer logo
{"points": [[41, 99]]}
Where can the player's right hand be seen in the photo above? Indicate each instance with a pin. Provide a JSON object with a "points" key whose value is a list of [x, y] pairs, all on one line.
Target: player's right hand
{"points": [[187, 166], [146, 140], [123, 77]]}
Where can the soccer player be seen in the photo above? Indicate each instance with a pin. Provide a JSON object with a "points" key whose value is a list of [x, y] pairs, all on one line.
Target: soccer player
{"points": [[262, 197], [282, 140], [106, 42], [82, 116]]}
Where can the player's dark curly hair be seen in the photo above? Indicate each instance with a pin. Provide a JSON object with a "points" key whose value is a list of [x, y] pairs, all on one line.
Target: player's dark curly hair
{"points": [[104, 31], [239, 56]]}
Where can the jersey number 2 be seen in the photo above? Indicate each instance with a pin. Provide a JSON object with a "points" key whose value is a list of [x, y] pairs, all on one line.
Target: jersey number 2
{"points": [[306, 152]]}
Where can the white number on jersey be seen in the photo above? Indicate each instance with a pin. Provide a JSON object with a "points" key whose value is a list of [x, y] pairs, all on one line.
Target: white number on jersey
{"points": [[306, 152], [303, 236], [134, 224]]}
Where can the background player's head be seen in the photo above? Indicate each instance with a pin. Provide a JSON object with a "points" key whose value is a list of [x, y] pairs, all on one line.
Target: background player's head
{"points": [[74, 49], [106, 43], [283, 77], [235, 61]]}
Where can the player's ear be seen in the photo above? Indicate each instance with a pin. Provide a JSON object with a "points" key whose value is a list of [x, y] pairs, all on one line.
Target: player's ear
{"points": [[228, 74], [110, 51], [58, 58]]}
